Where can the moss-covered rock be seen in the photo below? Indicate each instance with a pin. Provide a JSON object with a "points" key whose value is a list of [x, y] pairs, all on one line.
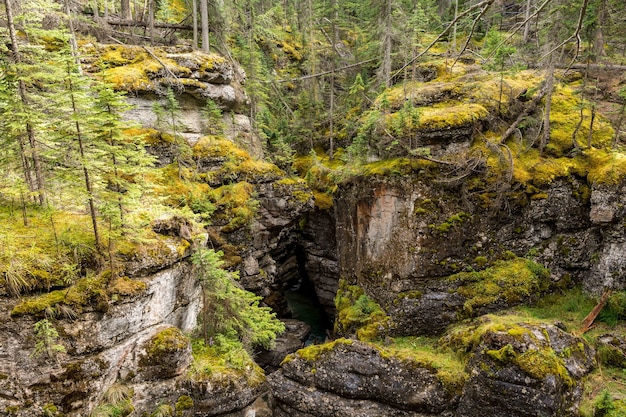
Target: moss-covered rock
{"points": [[347, 377], [167, 354], [517, 367], [139, 69]]}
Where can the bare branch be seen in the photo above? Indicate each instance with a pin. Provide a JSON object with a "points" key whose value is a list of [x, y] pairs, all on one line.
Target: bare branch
{"points": [[469, 37], [485, 3], [575, 35], [531, 108], [505, 40]]}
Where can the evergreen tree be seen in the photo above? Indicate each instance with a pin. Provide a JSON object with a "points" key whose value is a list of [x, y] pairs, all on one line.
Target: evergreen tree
{"points": [[168, 120], [229, 310]]}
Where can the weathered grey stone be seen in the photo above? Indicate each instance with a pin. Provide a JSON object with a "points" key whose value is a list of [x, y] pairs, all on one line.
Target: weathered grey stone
{"points": [[292, 339], [353, 378], [534, 371]]}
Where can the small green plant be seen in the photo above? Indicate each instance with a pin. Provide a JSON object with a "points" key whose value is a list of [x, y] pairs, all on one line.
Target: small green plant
{"points": [[615, 309], [603, 405], [46, 337], [163, 410], [116, 402]]}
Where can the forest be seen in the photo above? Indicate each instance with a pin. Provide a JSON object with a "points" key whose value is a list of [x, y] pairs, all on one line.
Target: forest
{"points": [[144, 136]]}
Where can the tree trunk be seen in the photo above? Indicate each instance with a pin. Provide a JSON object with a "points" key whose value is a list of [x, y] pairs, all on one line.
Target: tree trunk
{"points": [[151, 21], [125, 9], [598, 38], [545, 138], [194, 15], [88, 185], [529, 4], [456, 12], [204, 23], [386, 44], [39, 186]]}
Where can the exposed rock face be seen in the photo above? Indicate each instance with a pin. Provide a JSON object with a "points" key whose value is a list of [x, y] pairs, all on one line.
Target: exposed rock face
{"points": [[319, 247], [296, 333], [270, 261], [525, 371], [352, 378], [399, 238], [101, 347], [535, 373], [137, 343]]}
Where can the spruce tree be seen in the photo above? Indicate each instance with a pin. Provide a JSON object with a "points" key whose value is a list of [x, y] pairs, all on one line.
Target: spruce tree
{"points": [[228, 310]]}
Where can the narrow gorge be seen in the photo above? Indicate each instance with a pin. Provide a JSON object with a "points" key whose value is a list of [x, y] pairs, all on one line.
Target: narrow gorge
{"points": [[420, 263]]}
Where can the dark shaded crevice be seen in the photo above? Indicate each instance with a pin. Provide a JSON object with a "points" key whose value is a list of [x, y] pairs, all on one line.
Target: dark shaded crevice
{"points": [[304, 304]]}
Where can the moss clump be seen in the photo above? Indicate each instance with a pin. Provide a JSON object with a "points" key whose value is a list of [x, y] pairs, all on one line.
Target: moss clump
{"points": [[126, 287], [421, 352], [606, 166], [450, 116], [39, 304], [183, 403], [224, 364], [86, 291], [235, 203], [319, 172], [565, 104], [323, 201], [507, 281], [170, 340], [50, 410], [314, 352], [538, 363], [358, 314], [93, 290], [451, 222], [235, 162], [132, 68]]}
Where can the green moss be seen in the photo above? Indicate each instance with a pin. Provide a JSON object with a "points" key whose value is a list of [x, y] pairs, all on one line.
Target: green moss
{"points": [[50, 410], [12, 410], [606, 167], [236, 203], [481, 261], [224, 364], [37, 305], [183, 403], [388, 167], [421, 352], [539, 363], [358, 314], [166, 341], [451, 222], [503, 355], [508, 281], [314, 352], [323, 201], [451, 115], [235, 161], [126, 287], [565, 104]]}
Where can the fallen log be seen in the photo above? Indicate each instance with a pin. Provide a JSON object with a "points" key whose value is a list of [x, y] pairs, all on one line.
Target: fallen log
{"points": [[588, 321], [528, 110], [139, 23]]}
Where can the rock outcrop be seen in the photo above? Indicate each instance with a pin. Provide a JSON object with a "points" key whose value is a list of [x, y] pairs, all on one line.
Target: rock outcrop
{"points": [[520, 370], [404, 239], [347, 378], [526, 371]]}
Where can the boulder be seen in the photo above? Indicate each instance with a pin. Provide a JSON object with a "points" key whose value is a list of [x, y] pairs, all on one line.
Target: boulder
{"points": [[349, 378], [526, 371]]}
